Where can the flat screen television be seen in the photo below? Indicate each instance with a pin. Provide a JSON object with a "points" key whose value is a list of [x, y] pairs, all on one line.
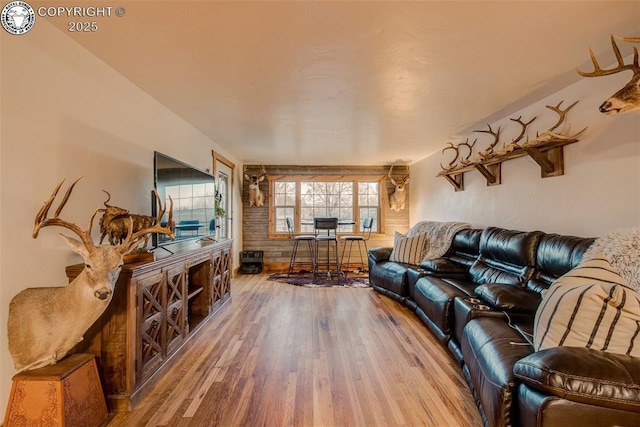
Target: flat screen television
{"points": [[193, 193]]}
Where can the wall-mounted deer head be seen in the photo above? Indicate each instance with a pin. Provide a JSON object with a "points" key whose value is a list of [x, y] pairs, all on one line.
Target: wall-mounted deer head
{"points": [[627, 98], [256, 196], [45, 323], [399, 195]]}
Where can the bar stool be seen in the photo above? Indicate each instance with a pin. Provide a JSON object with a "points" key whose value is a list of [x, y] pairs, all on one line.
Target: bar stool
{"points": [[310, 239], [330, 225], [367, 225]]}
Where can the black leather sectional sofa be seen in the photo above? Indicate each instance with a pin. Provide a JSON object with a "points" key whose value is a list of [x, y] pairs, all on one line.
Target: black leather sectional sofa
{"points": [[480, 300]]}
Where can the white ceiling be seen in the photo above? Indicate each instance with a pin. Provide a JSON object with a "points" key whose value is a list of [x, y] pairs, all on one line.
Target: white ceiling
{"points": [[358, 83]]}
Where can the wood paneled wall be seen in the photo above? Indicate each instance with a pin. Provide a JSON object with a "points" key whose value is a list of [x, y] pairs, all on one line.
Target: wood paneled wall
{"points": [[255, 223]]}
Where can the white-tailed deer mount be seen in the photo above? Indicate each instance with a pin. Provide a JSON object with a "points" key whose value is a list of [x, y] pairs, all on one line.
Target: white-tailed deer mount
{"points": [[627, 98], [45, 323], [399, 195], [256, 196]]}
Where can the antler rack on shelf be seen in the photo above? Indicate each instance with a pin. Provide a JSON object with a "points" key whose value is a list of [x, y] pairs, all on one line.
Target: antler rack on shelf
{"points": [[546, 150]]}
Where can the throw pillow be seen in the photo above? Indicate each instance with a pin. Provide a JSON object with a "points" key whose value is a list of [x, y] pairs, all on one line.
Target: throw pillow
{"points": [[591, 306], [409, 250], [622, 249]]}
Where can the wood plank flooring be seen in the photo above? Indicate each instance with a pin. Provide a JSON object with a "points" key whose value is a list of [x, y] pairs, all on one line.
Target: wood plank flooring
{"points": [[280, 355]]}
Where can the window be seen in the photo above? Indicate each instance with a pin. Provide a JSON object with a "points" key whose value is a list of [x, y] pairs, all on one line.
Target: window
{"points": [[192, 201], [302, 198], [284, 203]]}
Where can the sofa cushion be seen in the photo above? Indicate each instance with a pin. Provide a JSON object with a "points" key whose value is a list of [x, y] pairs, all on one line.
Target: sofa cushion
{"points": [[409, 250], [444, 266], [593, 307], [584, 375], [435, 295], [513, 299]]}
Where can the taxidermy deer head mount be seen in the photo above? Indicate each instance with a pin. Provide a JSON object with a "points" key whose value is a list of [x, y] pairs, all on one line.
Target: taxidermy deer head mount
{"points": [[399, 195], [627, 98], [45, 323], [256, 196]]}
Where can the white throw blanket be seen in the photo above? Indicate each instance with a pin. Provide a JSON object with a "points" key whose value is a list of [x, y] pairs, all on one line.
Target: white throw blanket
{"points": [[439, 236], [622, 249]]}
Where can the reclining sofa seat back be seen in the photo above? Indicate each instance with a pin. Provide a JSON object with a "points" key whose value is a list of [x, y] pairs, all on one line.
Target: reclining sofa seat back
{"points": [[397, 280], [555, 256], [487, 344], [463, 252], [506, 258]]}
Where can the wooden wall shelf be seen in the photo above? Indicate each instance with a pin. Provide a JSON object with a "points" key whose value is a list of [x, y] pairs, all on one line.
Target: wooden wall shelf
{"points": [[549, 155]]}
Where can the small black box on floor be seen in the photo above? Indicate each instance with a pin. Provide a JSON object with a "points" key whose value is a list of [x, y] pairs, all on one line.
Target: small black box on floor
{"points": [[251, 262]]}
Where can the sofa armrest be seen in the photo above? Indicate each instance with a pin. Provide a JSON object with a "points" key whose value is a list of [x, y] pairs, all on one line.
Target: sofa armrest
{"points": [[380, 254], [443, 266], [583, 375], [509, 298]]}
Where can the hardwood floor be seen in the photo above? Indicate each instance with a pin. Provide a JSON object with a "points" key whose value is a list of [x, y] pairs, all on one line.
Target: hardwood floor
{"points": [[278, 355]]}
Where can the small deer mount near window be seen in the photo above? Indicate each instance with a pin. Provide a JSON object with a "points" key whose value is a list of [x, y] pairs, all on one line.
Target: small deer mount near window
{"points": [[627, 98], [256, 195], [45, 323], [545, 149], [399, 195]]}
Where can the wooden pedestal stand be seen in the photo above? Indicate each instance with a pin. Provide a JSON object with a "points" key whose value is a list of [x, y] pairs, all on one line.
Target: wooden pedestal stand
{"points": [[67, 393]]}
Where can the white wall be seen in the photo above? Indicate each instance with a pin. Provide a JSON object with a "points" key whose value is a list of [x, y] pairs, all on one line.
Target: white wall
{"points": [[66, 114], [599, 192]]}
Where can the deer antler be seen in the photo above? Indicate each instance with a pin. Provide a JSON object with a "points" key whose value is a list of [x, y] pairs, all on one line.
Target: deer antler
{"points": [[452, 162], [597, 71], [41, 219], [496, 135], [550, 134], [466, 160], [561, 113], [629, 39], [108, 198], [133, 239], [524, 128]]}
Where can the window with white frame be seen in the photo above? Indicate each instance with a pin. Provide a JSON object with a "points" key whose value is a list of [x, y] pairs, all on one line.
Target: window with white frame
{"points": [[303, 198]]}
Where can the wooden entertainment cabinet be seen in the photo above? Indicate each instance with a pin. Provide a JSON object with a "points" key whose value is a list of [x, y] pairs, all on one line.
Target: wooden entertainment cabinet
{"points": [[156, 307]]}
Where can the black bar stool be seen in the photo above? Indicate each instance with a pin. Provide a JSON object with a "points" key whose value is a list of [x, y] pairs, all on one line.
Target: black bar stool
{"points": [[367, 225], [297, 238], [330, 225]]}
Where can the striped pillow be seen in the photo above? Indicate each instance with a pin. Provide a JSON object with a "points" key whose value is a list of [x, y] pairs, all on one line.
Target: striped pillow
{"points": [[591, 306], [409, 250]]}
